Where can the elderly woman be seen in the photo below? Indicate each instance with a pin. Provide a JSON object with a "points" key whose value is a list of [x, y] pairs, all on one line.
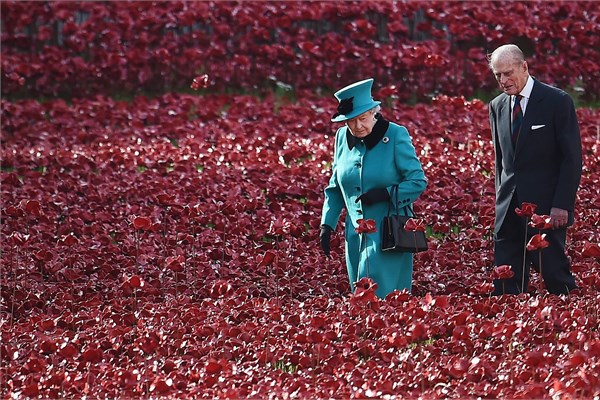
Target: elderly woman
{"points": [[371, 157]]}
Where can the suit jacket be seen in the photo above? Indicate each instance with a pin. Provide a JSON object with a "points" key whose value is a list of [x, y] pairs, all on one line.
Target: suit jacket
{"points": [[544, 167]]}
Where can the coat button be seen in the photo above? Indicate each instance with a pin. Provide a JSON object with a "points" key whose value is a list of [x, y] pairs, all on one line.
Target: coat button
{"points": [[358, 165], [357, 189], [359, 212]]}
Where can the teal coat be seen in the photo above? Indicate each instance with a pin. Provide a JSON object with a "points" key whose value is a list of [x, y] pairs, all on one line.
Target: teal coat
{"points": [[383, 159]]}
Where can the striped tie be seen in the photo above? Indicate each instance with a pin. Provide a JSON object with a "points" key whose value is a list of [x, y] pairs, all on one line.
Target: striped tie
{"points": [[517, 118]]}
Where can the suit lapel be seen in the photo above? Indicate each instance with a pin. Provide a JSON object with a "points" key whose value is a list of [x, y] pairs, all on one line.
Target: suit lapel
{"points": [[531, 114], [504, 128]]}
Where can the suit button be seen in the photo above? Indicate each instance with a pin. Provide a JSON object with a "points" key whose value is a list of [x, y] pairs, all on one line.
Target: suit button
{"points": [[359, 212], [357, 189], [358, 165]]}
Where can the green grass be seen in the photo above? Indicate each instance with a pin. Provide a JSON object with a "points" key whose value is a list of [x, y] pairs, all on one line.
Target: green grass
{"points": [[440, 235], [425, 342], [41, 169], [284, 366], [282, 93]]}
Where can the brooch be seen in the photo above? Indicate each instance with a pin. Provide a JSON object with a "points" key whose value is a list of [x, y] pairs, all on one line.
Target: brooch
{"points": [[386, 139]]}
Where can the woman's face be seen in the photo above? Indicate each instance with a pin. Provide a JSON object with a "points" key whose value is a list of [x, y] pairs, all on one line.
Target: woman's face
{"points": [[362, 125]]}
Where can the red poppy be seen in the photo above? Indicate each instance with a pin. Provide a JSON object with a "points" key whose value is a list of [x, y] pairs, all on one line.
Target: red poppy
{"points": [[267, 258], [136, 281], [200, 82], [175, 263], [279, 227], [69, 240], [221, 288], [14, 211], [414, 225], [526, 210], [18, 239], [42, 255], [591, 250], [366, 226], [32, 207], [365, 284], [481, 288], [388, 91], [537, 242], [165, 199], [503, 272], [365, 292], [540, 222], [142, 223]]}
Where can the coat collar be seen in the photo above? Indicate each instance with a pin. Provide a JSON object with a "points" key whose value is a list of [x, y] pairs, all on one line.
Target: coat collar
{"points": [[379, 129]]}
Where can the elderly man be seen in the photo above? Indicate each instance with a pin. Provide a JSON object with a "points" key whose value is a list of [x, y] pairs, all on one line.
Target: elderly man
{"points": [[538, 160]]}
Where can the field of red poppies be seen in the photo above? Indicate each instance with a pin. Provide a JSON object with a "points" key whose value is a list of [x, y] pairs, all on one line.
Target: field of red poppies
{"points": [[166, 246]]}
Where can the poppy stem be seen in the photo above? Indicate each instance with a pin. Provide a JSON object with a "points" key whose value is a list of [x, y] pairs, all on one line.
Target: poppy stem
{"points": [[137, 250], [163, 273], [540, 262], [524, 257], [193, 239], [289, 261], [133, 324], [12, 301], [72, 303], [363, 238], [274, 266], [223, 254]]}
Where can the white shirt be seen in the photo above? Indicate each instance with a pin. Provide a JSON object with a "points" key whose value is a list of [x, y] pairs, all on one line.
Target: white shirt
{"points": [[526, 93]]}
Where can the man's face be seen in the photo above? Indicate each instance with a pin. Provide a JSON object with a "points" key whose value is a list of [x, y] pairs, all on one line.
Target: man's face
{"points": [[511, 75]]}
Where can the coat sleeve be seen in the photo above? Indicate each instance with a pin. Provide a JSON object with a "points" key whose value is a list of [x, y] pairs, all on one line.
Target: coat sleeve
{"points": [[412, 177], [569, 140], [334, 200], [497, 148]]}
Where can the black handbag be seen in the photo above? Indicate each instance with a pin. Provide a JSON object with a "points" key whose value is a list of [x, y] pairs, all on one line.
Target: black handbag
{"points": [[393, 235]]}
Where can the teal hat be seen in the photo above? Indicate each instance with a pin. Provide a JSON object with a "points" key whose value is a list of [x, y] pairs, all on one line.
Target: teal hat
{"points": [[354, 100]]}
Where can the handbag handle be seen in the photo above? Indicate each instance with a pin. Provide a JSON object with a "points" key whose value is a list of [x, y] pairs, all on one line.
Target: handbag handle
{"points": [[394, 193], [405, 208]]}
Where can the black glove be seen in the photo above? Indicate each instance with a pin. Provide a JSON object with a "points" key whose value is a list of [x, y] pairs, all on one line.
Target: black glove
{"points": [[325, 238], [373, 196]]}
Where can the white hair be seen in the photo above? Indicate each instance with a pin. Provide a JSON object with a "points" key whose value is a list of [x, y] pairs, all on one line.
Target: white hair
{"points": [[510, 51]]}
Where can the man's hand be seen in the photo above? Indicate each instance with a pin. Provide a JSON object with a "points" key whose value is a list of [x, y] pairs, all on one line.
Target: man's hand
{"points": [[558, 218]]}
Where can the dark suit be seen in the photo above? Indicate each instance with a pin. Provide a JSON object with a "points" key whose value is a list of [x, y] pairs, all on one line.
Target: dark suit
{"points": [[543, 168]]}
